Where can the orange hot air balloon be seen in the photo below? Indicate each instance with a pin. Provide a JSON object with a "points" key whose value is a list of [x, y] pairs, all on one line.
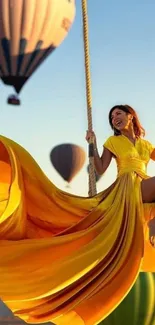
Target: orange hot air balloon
{"points": [[67, 159], [29, 31]]}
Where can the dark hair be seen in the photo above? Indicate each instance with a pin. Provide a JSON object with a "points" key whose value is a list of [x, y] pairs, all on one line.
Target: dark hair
{"points": [[138, 129]]}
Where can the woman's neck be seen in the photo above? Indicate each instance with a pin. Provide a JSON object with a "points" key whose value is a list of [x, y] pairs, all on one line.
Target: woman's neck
{"points": [[129, 133]]}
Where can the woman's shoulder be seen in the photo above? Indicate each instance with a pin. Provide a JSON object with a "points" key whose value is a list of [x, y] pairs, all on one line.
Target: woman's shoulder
{"points": [[113, 139], [146, 144], [112, 143]]}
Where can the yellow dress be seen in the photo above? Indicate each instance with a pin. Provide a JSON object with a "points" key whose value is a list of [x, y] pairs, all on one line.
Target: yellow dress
{"points": [[69, 259]]}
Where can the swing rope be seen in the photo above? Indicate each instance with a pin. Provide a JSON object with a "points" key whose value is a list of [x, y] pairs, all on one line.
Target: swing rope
{"points": [[92, 178]]}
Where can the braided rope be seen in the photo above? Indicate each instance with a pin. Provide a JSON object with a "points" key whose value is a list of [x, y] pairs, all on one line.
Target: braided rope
{"points": [[92, 178]]}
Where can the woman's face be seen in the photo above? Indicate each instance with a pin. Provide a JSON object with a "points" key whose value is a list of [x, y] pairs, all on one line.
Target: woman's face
{"points": [[120, 119]]}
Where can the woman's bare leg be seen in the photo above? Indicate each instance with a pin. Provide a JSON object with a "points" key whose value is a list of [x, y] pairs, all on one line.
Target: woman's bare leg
{"points": [[148, 190]]}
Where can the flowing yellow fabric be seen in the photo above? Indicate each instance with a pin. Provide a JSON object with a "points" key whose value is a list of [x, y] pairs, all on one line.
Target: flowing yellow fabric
{"points": [[69, 259]]}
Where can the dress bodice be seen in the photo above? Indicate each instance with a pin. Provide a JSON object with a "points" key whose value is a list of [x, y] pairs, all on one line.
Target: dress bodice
{"points": [[130, 157]]}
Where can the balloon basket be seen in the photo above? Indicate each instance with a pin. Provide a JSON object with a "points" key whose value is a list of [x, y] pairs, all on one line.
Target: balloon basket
{"points": [[68, 186], [13, 100]]}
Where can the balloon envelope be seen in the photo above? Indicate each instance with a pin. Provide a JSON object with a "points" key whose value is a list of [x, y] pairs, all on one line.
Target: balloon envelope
{"points": [[29, 31], [67, 159]]}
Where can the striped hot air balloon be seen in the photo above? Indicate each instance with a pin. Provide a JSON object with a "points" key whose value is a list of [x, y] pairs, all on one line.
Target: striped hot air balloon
{"points": [[138, 308], [30, 30]]}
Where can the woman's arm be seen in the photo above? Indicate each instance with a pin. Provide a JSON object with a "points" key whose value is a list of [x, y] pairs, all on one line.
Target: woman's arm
{"points": [[103, 162], [153, 155]]}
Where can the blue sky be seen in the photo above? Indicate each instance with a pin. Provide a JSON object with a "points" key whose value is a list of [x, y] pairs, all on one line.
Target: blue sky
{"points": [[53, 110]]}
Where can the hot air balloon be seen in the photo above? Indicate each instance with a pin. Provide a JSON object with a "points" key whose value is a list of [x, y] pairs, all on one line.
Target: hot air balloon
{"points": [[138, 308], [29, 31], [67, 159]]}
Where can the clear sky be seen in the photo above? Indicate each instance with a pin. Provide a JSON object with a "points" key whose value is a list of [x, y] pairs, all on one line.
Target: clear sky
{"points": [[53, 110]]}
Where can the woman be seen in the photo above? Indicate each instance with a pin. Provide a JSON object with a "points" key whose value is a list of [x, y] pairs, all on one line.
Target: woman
{"points": [[69, 259], [125, 123]]}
